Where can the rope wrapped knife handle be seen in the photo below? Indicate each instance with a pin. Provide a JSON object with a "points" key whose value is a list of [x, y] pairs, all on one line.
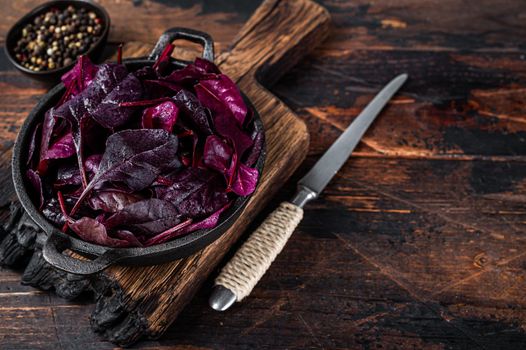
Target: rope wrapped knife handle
{"points": [[252, 260], [241, 274]]}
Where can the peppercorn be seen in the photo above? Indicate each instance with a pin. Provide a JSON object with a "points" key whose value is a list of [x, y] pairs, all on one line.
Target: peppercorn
{"points": [[54, 39]]}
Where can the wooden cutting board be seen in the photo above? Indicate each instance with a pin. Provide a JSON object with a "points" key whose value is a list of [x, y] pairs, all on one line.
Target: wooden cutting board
{"points": [[143, 301]]}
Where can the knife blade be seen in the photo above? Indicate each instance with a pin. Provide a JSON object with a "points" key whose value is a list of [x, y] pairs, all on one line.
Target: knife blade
{"points": [[249, 264], [334, 158]]}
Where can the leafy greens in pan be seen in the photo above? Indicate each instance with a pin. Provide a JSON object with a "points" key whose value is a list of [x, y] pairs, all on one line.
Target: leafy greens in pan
{"points": [[137, 158]]}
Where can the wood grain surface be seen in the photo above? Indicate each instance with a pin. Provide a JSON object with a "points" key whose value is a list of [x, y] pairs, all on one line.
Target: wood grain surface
{"points": [[419, 240]]}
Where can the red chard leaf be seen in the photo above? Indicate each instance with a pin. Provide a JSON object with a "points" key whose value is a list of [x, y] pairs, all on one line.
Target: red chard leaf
{"points": [[223, 90], [228, 128], [163, 116], [92, 163], [206, 65], [94, 231], [194, 192], [217, 154], [112, 201], [195, 112], [135, 158], [80, 76], [62, 148], [185, 76], [209, 222], [36, 183], [47, 133], [109, 113], [129, 237], [257, 148], [245, 180], [51, 210], [87, 101], [67, 175], [164, 58], [33, 145], [149, 216]]}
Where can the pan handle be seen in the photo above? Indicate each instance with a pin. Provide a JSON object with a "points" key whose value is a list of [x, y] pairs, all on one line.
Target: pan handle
{"points": [[188, 34], [57, 243]]}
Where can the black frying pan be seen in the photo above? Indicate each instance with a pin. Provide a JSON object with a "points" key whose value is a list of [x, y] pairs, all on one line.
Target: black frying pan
{"points": [[101, 257]]}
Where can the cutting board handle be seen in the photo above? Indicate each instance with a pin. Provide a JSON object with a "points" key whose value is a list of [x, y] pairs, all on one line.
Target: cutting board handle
{"points": [[275, 38]]}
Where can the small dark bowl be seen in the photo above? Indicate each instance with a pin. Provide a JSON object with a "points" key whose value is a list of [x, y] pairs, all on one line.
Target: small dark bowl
{"points": [[15, 33]]}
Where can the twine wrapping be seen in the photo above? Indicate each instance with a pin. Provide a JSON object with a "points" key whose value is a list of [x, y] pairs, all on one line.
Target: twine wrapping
{"points": [[256, 255]]}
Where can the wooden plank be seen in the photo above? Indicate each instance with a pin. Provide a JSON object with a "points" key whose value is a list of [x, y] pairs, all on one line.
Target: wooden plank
{"points": [[417, 243], [449, 25], [454, 105]]}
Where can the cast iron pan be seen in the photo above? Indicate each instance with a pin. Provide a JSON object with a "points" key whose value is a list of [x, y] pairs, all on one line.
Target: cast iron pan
{"points": [[101, 257]]}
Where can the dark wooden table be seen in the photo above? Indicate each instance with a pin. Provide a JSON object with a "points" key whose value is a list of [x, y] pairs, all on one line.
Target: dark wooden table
{"points": [[419, 242]]}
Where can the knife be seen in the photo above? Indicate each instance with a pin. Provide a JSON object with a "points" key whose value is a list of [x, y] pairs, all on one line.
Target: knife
{"points": [[251, 261]]}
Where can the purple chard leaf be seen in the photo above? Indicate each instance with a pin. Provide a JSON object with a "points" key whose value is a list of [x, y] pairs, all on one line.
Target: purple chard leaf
{"points": [[194, 111], [112, 201], [110, 114], [206, 65], [245, 180], [80, 76], [149, 217], [194, 192], [135, 158], [36, 183], [91, 230], [220, 90], [209, 222], [217, 154], [163, 116], [62, 148]]}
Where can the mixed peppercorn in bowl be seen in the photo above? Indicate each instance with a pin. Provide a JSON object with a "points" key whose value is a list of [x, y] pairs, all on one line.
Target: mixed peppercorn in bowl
{"points": [[47, 41]]}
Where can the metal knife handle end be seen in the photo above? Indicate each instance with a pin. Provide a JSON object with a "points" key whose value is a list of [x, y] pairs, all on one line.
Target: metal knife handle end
{"points": [[241, 274], [221, 298]]}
